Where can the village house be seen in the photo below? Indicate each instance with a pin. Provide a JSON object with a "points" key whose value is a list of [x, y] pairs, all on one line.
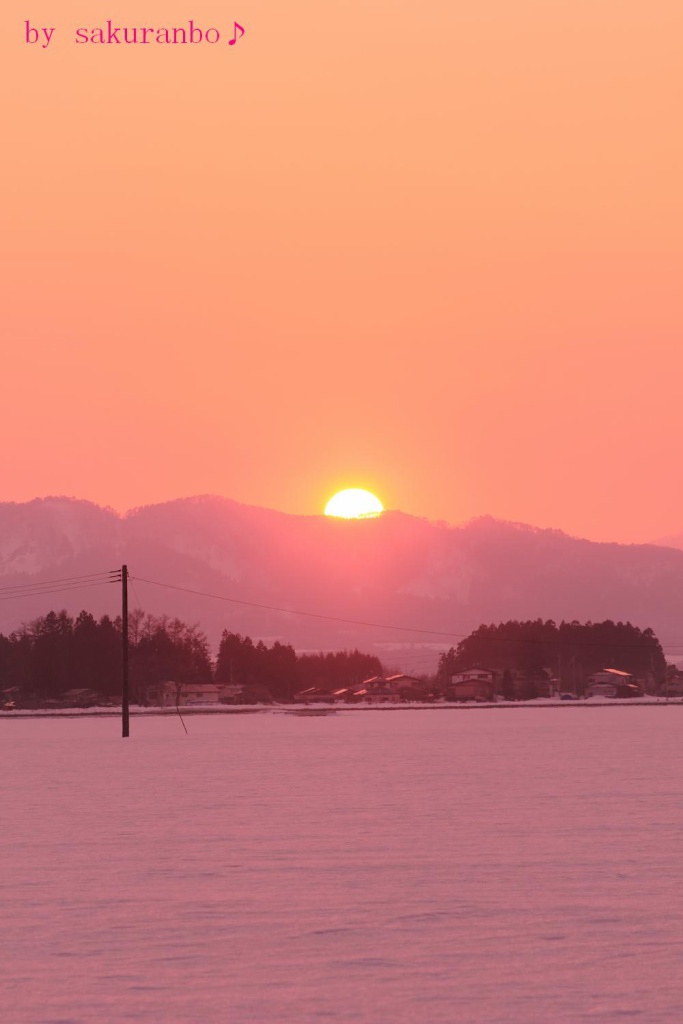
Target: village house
{"points": [[401, 680], [200, 693], [346, 693], [81, 698], [231, 693], [529, 685], [163, 695], [314, 695], [409, 687], [9, 698], [168, 694], [378, 690], [612, 682], [475, 683], [673, 687], [546, 685]]}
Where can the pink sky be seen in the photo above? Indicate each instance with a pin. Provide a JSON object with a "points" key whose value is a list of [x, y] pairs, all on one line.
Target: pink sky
{"points": [[436, 252]]}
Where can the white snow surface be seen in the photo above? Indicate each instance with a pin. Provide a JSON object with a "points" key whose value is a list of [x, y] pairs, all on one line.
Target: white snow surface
{"points": [[497, 867]]}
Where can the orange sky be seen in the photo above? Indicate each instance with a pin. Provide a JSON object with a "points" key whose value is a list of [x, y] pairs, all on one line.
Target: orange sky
{"points": [[434, 250]]}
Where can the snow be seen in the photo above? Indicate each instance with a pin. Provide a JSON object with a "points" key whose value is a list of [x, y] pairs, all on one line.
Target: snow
{"points": [[214, 708], [487, 869]]}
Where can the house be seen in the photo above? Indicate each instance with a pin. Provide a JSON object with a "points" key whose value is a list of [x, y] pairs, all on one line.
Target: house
{"points": [[548, 687], [378, 690], [231, 693], [612, 682], [168, 694], [314, 695], [410, 687], [9, 698], [673, 687], [162, 694], [533, 684], [401, 681], [346, 693], [200, 693], [472, 684], [81, 698]]}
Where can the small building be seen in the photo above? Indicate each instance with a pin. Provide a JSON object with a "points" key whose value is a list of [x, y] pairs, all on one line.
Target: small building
{"points": [[378, 690], [163, 695], [168, 694], [531, 685], [612, 682], [478, 684], [347, 694], [401, 680], [200, 693], [231, 693], [314, 695], [81, 698], [9, 698], [673, 687], [410, 687]]}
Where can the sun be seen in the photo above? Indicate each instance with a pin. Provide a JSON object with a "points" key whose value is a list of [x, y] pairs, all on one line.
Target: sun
{"points": [[354, 503]]}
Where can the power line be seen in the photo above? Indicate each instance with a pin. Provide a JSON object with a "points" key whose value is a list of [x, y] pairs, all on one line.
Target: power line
{"points": [[109, 577], [137, 596], [294, 611], [403, 629], [36, 591], [58, 590], [46, 588]]}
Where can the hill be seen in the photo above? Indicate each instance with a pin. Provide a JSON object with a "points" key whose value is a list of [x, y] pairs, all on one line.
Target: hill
{"points": [[396, 569]]}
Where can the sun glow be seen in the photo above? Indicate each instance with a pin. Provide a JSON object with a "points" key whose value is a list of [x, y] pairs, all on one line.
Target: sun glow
{"points": [[354, 503]]}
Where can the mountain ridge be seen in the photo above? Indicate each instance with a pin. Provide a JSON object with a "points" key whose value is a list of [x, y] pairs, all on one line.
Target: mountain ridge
{"points": [[396, 568]]}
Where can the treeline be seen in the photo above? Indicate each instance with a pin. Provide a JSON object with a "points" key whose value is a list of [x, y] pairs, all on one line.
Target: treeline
{"points": [[570, 651], [56, 653], [280, 672]]}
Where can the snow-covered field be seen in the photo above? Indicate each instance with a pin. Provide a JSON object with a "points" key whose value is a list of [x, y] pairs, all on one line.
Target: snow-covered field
{"points": [[271, 867]]}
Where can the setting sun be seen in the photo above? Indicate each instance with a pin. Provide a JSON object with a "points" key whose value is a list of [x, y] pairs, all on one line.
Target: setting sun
{"points": [[354, 503]]}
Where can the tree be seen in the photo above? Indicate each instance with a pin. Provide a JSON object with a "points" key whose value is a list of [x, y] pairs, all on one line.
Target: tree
{"points": [[168, 650], [568, 650], [508, 686], [236, 659], [50, 649], [336, 670]]}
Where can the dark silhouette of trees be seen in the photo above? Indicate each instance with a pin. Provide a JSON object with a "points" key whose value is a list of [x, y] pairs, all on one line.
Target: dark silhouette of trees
{"points": [[282, 673], [236, 659], [507, 690], [50, 652], [167, 650], [335, 670], [56, 653], [96, 655], [257, 667], [571, 651]]}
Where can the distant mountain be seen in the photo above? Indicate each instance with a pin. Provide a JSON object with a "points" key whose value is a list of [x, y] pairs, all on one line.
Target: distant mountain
{"points": [[675, 541], [395, 569]]}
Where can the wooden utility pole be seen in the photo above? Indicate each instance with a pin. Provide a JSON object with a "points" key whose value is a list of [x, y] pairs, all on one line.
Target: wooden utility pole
{"points": [[125, 716]]}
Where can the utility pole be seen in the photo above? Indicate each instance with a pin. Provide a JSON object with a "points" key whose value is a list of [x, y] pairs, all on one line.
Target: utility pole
{"points": [[125, 716]]}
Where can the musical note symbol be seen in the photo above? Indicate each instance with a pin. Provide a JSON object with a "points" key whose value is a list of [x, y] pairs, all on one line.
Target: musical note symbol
{"points": [[231, 42]]}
